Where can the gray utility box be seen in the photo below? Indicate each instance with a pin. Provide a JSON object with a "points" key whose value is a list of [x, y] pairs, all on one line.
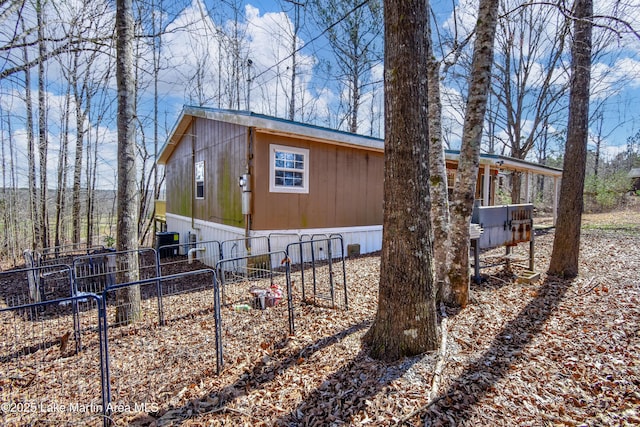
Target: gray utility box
{"points": [[505, 225]]}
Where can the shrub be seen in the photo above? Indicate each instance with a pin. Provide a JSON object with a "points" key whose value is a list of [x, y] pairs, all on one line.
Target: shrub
{"points": [[603, 193]]}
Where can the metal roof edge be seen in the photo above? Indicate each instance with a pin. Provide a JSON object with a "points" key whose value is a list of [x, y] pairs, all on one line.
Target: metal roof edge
{"points": [[172, 141], [510, 163], [284, 126]]}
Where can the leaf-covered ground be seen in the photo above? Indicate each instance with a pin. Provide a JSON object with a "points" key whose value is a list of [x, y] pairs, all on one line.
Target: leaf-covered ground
{"points": [[548, 353], [553, 352]]}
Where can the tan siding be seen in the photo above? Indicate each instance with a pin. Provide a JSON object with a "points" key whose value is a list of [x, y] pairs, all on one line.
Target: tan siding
{"points": [[345, 188], [179, 173], [222, 146]]}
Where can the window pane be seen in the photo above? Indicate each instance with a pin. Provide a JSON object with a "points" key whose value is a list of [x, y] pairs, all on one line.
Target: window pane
{"points": [[289, 160], [289, 169], [289, 179], [279, 178]]}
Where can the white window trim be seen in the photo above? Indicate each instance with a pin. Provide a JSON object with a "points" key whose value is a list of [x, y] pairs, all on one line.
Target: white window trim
{"points": [[273, 188], [199, 165]]}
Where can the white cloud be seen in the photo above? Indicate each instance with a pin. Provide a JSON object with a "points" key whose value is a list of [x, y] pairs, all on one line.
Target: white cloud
{"points": [[200, 61], [464, 20], [611, 80]]}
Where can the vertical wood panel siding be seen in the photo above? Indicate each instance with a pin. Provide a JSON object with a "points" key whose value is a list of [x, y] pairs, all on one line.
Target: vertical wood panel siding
{"points": [[222, 146], [179, 175], [345, 188]]}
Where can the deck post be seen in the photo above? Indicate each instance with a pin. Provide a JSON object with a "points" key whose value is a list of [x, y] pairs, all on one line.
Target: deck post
{"points": [[486, 191]]}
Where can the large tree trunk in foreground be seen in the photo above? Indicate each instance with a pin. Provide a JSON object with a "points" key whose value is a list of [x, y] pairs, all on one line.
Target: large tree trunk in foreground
{"points": [[406, 321], [465, 187], [566, 244], [127, 231]]}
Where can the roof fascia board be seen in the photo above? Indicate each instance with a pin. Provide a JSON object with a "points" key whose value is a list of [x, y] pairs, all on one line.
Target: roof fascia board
{"points": [[509, 163], [287, 128], [324, 140], [183, 123]]}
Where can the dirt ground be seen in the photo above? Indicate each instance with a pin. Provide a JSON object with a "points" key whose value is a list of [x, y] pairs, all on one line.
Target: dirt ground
{"points": [[547, 353]]}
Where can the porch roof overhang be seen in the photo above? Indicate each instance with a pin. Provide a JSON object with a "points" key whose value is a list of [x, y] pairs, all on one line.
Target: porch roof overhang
{"points": [[509, 163]]}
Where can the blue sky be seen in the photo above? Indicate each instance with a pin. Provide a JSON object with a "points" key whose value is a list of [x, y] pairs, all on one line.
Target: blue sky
{"points": [[266, 25], [616, 70]]}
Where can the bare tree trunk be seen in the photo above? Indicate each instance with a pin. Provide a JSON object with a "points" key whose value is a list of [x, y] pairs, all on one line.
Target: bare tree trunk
{"points": [[92, 165], [294, 50], [8, 204], [405, 323], [566, 244], [76, 204], [43, 143], [63, 162], [467, 173], [354, 44], [596, 160], [157, 44], [13, 201], [440, 218], [128, 298], [31, 157], [516, 186]]}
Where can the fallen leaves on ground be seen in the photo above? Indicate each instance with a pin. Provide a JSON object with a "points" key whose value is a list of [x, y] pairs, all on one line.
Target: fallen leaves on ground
{"points": [[549, 353]]}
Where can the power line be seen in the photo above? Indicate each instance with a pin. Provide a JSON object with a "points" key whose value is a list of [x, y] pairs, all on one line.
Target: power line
{"points": [[326, 30]]}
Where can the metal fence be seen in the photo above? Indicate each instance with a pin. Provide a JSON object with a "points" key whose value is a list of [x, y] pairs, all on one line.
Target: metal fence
{"points": [[37, 283], [241, 248], [64, 252], [256, 300], [47, 375], [95, 271], [149, 362], [321, 271], [72, 353], [191, 256]]}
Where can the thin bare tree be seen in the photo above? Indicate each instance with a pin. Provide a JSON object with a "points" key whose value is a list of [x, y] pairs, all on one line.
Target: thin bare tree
{"points": [[353, 29], [528, 80], [440, 216], [464, 189], [127, 230], [566, 243]]}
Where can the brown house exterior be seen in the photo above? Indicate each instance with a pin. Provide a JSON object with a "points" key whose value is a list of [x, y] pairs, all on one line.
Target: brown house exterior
{"points": [[232, 174]]}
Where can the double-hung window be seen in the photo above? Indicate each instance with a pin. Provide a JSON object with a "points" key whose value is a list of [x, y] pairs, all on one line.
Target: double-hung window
{"points": [[288, 169]]}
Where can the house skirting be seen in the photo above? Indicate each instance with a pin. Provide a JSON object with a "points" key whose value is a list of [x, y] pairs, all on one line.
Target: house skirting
{"points": [[368, 237]]}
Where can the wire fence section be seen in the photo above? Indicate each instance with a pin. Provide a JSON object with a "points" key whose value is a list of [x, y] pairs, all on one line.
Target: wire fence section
{"points": [[100, 269], [51, 363], [175, 258], [150, 363], [36, 284], [87, 343], [320, 270], [256, 301], [240, 248]]}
